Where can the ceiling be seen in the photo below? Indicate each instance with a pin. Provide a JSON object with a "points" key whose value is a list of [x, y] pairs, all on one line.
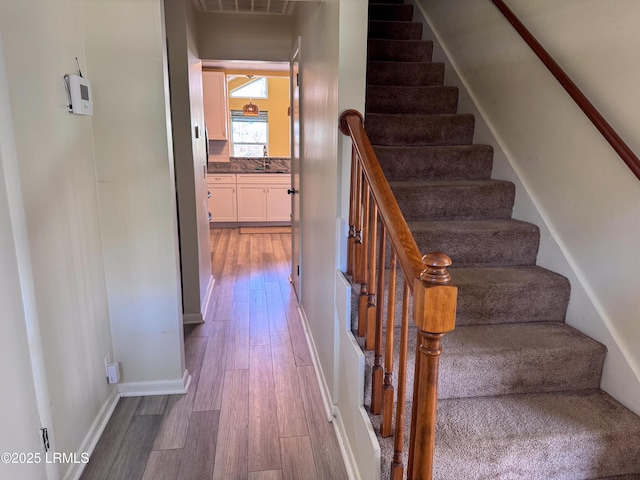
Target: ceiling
{"points": [[268, 7], [246, 66]]}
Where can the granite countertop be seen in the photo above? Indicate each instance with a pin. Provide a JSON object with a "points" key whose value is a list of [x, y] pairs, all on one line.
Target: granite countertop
{"points": [[250, 165]]}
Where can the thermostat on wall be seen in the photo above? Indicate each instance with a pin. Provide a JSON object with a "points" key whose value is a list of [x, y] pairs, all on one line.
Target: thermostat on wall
{"points": [[81, 99]]}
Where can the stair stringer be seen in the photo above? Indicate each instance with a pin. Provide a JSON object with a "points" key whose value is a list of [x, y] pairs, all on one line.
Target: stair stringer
{"points": [[361, 447], [584, 313]]}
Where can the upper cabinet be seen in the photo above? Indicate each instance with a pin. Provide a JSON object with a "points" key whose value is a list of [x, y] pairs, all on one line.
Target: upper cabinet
{"points": [[214, 86]]}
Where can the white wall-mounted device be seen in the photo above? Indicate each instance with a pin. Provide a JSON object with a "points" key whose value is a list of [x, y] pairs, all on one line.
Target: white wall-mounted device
{"points": [[80, 96]]}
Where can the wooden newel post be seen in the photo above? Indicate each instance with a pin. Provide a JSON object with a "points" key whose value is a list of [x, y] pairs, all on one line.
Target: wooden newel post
{"points": [[434, 314]]}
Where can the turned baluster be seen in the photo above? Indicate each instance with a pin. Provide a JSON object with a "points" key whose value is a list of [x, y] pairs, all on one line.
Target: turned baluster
{"points": [[353, 206], [363, 256], [434, 315], [386, 428], [370, 337], [377, 372], [397, 467]]}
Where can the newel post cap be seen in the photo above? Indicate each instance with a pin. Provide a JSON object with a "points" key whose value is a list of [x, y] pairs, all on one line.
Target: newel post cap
{"points": [[435, 271]]}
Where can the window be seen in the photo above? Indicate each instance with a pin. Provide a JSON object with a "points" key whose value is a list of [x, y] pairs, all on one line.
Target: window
{"points": [[249, 134], [254, 88]]}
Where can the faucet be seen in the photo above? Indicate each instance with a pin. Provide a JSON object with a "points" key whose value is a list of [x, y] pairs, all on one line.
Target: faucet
{"points": [[266, 163]]}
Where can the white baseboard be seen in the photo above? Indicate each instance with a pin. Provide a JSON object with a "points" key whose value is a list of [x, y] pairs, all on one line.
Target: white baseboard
{"points": [[317, 367], [192, 318], [95, 432], [206, 303], [160, 387], [332, 413]]}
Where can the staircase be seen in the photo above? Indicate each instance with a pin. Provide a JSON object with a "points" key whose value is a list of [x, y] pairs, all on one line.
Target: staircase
{"points": [[519, 393]]}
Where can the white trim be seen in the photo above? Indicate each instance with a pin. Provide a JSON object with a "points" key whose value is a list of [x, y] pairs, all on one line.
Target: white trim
{"points": [[317, 367], [332, 413], [207, 297], [159, 387], [93, 436], [192, 318]]}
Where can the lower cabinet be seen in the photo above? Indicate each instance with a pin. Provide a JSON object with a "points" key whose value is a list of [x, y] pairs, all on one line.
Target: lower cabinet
{"points": [[249, 198], [251, 202], [222, 198]]}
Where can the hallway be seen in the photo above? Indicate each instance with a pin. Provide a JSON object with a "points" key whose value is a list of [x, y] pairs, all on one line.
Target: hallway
{"points": [[253, 410]]}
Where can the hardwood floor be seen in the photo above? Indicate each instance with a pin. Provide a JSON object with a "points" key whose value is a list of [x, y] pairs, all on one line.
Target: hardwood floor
{"points": [[254, 410]]}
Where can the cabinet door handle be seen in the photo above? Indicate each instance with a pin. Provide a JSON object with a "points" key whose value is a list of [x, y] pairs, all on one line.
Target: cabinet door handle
{"points": [[292, 191]]}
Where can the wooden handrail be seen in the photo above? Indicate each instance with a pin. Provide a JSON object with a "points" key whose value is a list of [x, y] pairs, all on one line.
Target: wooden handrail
{"points": [[352, 125], [607, 131], [374, 217]]}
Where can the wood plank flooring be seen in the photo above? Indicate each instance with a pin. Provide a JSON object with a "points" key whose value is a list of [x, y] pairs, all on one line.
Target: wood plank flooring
{"points": [[254, 410]]}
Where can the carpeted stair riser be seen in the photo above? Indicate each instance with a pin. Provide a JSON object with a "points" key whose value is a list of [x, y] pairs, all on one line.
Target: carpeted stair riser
{"points": [[489, 360], [495, 295], [399, 50], [405, 73], [479, 243], [454, 199], [509, 295], [390, 12], [385, 129], [471, 162], [403, 99], [395, 30]]}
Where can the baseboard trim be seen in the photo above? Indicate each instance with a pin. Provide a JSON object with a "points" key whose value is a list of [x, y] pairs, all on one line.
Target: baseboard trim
{"points": [[160, 387], [317, 367], [206, 303], [332, 413], [93, 436], [192, 318]]}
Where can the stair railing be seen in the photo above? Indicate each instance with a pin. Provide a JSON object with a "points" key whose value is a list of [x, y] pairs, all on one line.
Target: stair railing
{"points": [[375, 222], [607, 131]]}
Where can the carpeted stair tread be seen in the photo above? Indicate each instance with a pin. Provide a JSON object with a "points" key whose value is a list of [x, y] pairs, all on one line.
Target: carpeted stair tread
{"points": [[404, 129], [395, 30], [446, 162], [454, 199], [410, 99], [506, 359], [399, 50], [492, 295], [495, 295], [404, 73], [391, 12], [577, 435], [479, 243]]}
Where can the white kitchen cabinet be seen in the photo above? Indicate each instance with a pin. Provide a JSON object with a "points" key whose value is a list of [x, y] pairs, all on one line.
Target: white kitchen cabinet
{"points": [[278, 202], [222, 198], [249, 198], [252, 206], [263, 197], [216, 110]]}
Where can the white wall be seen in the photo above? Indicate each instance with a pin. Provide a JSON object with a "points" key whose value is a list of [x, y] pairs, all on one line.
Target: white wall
{"points": [[585, 196], [319, 179], [20, 417], [223, 36], [55, 158], [187, 113], [126, 61]]}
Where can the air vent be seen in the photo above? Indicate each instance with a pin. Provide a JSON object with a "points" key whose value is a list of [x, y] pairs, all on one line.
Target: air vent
{"points": [[271, 7]]}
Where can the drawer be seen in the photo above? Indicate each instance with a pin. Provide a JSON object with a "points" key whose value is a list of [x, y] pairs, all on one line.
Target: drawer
{"points": [[264, 178], [214, 179]]}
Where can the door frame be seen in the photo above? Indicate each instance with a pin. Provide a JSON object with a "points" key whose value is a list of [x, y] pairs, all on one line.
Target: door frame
{"points": [[295, 87]]}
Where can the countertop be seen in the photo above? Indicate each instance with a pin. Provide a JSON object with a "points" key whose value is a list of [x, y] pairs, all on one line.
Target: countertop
{"points": [[250, 165]]}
